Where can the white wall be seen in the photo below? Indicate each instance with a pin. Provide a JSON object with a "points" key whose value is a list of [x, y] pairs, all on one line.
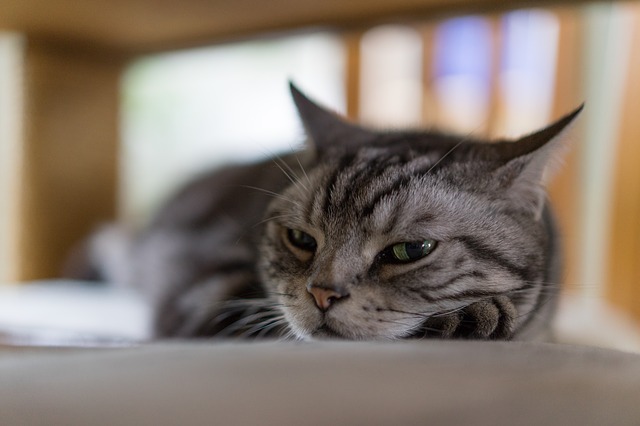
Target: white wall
{"points": [[11, 48]]}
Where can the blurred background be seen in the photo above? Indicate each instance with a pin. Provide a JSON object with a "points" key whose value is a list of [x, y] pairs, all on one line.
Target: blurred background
{"points": [[501, 74]]}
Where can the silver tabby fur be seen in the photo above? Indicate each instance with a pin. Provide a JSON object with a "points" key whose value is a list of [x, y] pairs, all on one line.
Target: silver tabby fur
{"points": [[216, 260]]}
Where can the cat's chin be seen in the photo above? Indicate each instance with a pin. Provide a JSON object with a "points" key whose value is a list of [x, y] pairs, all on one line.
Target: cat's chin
{"points": [[324, 332]]}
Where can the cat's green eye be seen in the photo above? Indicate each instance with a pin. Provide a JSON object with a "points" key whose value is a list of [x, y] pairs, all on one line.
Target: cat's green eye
{"points": [[302, 240], [407, 252]]}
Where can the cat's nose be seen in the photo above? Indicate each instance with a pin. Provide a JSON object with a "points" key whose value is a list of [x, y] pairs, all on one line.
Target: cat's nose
{"points": [[326, 296]]}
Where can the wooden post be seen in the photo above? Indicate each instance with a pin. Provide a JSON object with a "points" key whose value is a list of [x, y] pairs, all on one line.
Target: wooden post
{"points": [[496, 104], [429, 101], [69, 150], [352, 41], [624, 245]]}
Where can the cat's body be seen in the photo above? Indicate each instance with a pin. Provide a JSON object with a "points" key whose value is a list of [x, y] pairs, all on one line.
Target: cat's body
{"points": [[366, 235]]}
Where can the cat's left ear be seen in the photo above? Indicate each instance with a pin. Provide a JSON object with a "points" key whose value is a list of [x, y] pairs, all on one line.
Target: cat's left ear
{"points": [[327, 129], [531, 161]]}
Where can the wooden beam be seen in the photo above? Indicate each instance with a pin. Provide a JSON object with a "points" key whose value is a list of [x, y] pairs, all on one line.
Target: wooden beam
{"points": [[143, 26], [69, 153]]}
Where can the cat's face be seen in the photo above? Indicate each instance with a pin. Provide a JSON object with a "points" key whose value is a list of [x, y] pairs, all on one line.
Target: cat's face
{"points": [[371, 240], [372, 244]]}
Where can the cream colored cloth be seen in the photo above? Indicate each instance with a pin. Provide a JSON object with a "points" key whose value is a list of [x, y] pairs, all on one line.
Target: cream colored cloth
{"points": [[323, 383]]}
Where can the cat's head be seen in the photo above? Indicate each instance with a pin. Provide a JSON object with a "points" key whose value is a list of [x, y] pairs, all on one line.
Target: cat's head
{"points": [[383, 230]]}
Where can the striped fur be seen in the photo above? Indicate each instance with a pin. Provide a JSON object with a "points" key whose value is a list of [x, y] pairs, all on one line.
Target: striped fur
{"points": [[218, 262]]}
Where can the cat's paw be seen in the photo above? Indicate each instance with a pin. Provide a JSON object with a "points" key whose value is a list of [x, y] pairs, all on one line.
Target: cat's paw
{"points": [[491, 319]]}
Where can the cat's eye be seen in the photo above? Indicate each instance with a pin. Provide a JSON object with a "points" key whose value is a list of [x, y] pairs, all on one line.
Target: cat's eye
{"points": [[407, 252], [301, 240]]}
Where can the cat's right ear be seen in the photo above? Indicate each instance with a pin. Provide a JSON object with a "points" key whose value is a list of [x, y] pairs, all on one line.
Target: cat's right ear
{"points": [[325, 128], [531, 160]]}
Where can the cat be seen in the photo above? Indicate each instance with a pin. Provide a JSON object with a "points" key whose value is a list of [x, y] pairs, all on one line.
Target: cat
{"points": [[363, 235]]}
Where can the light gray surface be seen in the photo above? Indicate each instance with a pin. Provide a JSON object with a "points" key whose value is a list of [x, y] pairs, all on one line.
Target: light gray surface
{"points": [[421, 383]]}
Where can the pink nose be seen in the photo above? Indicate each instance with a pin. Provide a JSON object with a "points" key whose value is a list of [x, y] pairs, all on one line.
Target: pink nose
{"points": [[326, 297]]}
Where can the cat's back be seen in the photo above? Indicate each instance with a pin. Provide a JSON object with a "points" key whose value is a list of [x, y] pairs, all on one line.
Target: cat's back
{"points": [[239, 191]]}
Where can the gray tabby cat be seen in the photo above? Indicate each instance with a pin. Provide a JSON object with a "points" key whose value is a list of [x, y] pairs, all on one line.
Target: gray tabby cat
{"points": [[365, 235]]}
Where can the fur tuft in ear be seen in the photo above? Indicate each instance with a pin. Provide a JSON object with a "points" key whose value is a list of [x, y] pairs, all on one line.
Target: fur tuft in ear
{"points": [[327, 129], [531, 161]]}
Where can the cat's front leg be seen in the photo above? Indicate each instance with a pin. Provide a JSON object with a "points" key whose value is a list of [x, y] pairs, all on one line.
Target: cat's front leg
{"points": [[490, 319]]}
